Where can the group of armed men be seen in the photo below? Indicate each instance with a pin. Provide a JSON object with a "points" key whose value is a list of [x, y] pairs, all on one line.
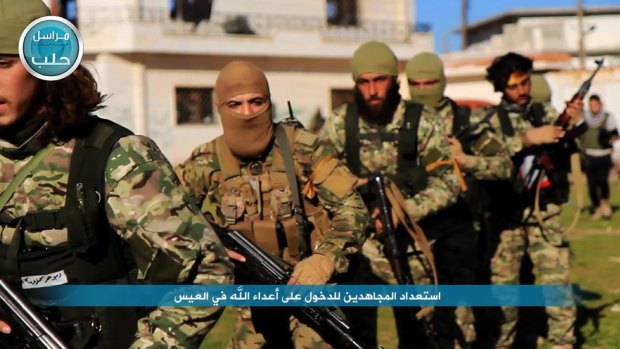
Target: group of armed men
{"points": [[86, 201], [469, 194]]}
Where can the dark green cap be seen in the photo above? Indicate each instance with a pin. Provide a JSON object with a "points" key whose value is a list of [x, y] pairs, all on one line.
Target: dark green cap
{"points": [[15, 15], [374, 57]]}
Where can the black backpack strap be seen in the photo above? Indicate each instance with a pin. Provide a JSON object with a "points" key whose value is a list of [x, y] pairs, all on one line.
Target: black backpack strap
{"points": [[408, 138], [460, 117], [504, 121], [537, 114], [352, 139], [86, 184]]}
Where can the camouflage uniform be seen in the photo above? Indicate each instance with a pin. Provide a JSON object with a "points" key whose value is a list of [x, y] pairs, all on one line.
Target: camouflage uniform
{"points": [[144, 204], [459, 266], [203, 176], [377, 156], [519, 233]]}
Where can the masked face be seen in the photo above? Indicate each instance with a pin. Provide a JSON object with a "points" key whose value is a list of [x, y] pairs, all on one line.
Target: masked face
{"points": [[518, 88], [426, 79], [18, 90], [426, 91], [242, 97]]}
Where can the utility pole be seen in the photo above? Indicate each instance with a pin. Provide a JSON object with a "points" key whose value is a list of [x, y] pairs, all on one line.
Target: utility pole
{"points": [[581, 35], [464, 10]]}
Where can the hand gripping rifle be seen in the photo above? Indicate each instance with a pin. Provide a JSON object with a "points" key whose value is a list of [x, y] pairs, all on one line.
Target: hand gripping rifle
{"points": [[564, 119], [28, 328], [543, 159], [267, 269]]}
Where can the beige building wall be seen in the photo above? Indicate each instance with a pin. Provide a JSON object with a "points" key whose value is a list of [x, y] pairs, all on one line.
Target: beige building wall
{"points": [[141, 55]]}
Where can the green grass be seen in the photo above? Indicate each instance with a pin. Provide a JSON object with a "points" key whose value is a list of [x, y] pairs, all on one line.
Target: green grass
{"points": [[596, 271]]}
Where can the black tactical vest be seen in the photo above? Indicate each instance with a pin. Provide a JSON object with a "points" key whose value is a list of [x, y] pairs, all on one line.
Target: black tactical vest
{"points": [[95, 254]]}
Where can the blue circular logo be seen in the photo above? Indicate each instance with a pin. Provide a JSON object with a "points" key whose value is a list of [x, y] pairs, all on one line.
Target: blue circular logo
{"points": [[51, 48]]}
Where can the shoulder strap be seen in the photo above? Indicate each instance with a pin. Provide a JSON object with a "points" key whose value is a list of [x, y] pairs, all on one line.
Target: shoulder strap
{"points": [[504, 121], [460, 117], [537, 114], [408, 137], [23, 173], [352, 139], [87, 180], [229, 165], [298, 209]]}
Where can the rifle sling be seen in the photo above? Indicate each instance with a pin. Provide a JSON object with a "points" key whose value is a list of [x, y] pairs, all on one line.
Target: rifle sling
{"points": [[504, 121], [298, 209], [415, 231]]}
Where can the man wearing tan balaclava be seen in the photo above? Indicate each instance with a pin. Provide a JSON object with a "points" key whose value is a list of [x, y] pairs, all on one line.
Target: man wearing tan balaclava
{"points": [[241, 182]]}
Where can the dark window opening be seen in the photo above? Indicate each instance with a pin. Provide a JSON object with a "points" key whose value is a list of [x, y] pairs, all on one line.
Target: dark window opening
{"points": [[342, 96], [194, 105], [193, 11], [341, 12]]}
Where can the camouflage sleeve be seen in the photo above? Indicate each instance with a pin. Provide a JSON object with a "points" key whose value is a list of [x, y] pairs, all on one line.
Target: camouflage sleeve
{"points": [[335, 188], [442, 188], [147, 207], [551, 115], [491, 157], [515, 143], [333, 132], [195, 172]]}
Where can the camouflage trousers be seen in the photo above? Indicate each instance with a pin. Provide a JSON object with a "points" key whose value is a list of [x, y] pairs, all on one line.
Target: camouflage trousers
{"points": [[245, 335], [549, 251], [381, 273]]}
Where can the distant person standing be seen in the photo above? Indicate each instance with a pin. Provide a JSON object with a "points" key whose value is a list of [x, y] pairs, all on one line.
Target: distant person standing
{"points": [[597, 147]]}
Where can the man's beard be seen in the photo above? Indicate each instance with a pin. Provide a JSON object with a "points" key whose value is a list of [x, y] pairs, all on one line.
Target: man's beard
{"points": [[385, 114]]}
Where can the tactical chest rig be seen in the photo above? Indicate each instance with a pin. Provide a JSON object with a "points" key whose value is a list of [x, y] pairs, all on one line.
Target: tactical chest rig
{"points": [[94, 253], [263, 201], [410, 176]]}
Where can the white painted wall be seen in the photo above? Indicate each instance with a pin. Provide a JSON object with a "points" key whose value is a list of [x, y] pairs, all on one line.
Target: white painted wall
{"points": [[129, 49], [553, 34]]}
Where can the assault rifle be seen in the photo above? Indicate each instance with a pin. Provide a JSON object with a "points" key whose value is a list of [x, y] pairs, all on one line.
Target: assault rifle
{"points": [[395, 251], [28, 328], [267, 269], [564, 119], [544, 155]]}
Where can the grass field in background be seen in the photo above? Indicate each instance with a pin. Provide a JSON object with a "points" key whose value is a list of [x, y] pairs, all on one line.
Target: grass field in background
{"points": [[595, 274]]}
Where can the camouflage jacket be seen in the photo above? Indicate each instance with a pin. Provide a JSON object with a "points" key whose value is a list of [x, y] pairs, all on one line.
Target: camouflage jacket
{"points": [[201, 176], [491, 160], [442, 189], [519, 121], [143, 202]]}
